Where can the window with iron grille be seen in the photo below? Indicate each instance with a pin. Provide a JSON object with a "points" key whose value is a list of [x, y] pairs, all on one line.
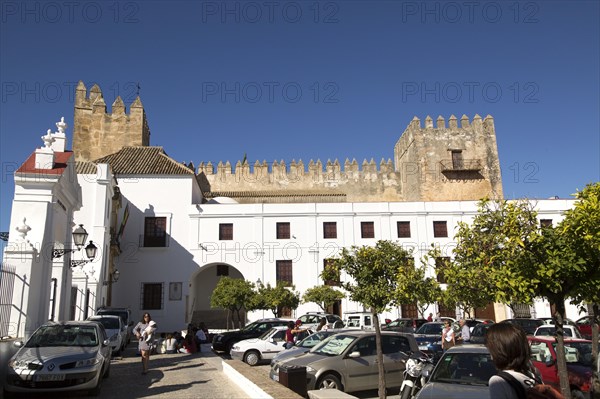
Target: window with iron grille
{"points": [[441, 263], [328, 264], [283, 231], [225, 231], [284, 271], [329, 230], [403, 229], [457, 160], [440, 229], [222, 270], [367, 229], [155, 232], [546, 222], [152, 296]]}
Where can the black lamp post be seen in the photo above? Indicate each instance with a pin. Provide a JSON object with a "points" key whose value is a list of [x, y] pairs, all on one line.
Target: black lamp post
{"points": [[79, 237], [115, 277]]}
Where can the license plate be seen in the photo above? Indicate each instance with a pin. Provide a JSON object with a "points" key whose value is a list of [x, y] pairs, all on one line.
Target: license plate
{"points": [[423, 347], [49, 377]]}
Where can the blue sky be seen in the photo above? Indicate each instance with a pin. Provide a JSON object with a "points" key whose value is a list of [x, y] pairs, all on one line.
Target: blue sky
{"points": [[313, 80]]}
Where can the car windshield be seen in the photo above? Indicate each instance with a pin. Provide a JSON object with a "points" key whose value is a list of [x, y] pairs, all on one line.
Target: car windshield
{"points": [[63, 335], [578, 352], [567, 332], [121, 314], [267, 333], [313, 339], [334, 345], [108, 322], [464, 368], [430, 329]]}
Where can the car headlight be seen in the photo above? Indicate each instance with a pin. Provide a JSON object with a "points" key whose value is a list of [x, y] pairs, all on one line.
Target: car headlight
{"points": [[311, 370], [235, 348], [18, 364], [219, 338], [87, 362]]}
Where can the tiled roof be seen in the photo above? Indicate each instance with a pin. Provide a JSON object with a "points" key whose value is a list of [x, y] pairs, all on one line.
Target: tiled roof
{"points": [[144, 160], [60, 164], [86, 168]]}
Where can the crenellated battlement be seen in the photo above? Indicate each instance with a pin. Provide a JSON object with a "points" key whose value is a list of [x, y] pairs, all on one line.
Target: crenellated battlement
{"points": [[485, 125], [97, 133]]}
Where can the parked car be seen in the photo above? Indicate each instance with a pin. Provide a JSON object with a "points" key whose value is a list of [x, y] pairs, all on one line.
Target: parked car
{"points": [[528, 325], [125, 315], [478, 333], [348, 361], [463, 372], [566, 321], [578, 354], [303, 347], [408, 325], [584, 324], [359, 320], [116, 331], [312, 320], [60, 356], [429, 337], [265, 347], [223, 342], [550, 330]]}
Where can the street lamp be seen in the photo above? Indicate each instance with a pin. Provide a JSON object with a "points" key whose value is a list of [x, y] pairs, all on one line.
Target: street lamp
{"points": [[115, 277], [79, 237]]}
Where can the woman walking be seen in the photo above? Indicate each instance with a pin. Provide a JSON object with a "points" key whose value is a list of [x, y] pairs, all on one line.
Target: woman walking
{"points": [[143, 346]]}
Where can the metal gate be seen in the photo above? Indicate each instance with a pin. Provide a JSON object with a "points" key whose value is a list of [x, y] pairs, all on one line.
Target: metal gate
{"points": [[7, 284]]}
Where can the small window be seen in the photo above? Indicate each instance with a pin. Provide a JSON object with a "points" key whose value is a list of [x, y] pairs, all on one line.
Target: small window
{"points": [[222, 270], [152, 295], [367, 229], [440, 229], [546, 222], [327, 264], [155, 232], [283, 231], [284, 271], [329, 230], [226, 231], [403, 229], [440, 264]]}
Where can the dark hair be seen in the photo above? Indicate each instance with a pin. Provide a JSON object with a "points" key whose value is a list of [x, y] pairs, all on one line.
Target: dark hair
{"points": [[508, 347], [144, 315], [291, 324]]}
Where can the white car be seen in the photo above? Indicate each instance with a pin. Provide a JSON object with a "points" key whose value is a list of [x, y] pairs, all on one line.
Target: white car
{"points": [[116, 331], [550, 330], [265, 347]]}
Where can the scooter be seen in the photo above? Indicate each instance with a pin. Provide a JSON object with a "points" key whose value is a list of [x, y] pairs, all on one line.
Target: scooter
{"points": [[418, 369]]}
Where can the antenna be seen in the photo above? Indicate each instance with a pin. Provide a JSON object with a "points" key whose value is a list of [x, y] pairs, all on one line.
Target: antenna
{"points": [[138, 89]]}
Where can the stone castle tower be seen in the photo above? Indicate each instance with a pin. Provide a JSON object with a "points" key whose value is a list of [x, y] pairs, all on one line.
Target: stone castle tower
{"points": [[97, 133], [441, 163]]}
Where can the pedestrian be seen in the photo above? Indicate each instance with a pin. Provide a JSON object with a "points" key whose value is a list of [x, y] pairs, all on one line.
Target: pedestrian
{"points": [[438, 316], [430, 317], [465, 331], [510, 352], [447, 336], [143, 346], [322, 325]]}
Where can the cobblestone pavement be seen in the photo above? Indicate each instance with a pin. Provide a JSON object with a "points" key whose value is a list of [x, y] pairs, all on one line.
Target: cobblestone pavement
{"points": [[173, 376]]}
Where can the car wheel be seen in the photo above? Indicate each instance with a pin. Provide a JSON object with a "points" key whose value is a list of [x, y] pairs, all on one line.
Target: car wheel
{"points": [[577, 394], [330, 381], [252, 358]]}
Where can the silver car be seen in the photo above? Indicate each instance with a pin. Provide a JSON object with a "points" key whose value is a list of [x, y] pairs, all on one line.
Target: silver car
{"points": [[462, 372], [64, 356], [348, 361]]}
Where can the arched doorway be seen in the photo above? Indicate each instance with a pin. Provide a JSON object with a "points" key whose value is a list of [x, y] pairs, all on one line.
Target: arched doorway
{"points": [[202, 283]]}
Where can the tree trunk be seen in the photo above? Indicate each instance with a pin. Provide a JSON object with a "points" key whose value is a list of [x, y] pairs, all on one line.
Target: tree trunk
{"points": [[380, 368], [561, 362]]}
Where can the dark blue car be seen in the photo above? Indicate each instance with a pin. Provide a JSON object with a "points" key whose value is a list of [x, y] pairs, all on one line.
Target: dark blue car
{"points": [[429, 338]]}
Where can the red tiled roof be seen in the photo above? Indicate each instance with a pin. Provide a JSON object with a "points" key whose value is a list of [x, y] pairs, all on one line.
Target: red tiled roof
{"points": [[60, 164]]}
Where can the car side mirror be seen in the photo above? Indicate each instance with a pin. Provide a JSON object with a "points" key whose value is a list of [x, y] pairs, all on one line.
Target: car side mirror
{"points": [[272, 340], [106, 342], [354, 354], [18, 344], [549, 362]]}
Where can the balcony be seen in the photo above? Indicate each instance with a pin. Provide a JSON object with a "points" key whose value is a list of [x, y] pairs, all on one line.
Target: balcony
{"points": [[465, 165]]}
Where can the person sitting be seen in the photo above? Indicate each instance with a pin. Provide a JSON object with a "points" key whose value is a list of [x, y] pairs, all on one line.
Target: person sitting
{"points": [[189, 345], [170, 344]]}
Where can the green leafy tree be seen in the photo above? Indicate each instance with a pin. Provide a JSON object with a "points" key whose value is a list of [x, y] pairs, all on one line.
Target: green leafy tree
{"points": [[374, 273], [275, 299], [414, 288], [323, 295], [523, 261], [232, 294]]}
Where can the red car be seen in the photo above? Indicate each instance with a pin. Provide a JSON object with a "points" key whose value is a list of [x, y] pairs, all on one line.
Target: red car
{"points": [[584, 325], [579, 362]]}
